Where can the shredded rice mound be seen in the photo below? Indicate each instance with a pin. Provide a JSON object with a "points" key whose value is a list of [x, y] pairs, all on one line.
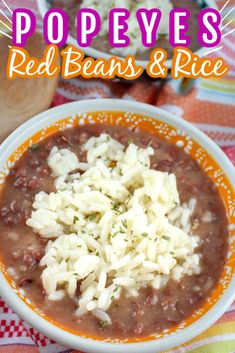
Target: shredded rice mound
{"points": [[116, 225]]}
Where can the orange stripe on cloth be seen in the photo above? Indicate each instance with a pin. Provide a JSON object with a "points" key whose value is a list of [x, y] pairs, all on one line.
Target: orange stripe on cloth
{"points": [[198, 111]]}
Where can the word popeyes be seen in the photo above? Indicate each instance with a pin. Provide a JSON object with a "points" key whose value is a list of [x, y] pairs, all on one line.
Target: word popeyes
{"points": [[88, 23], [74, 64]]}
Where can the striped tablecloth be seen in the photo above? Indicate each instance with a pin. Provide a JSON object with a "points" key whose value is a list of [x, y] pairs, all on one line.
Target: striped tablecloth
{"points": [[210, 105]]}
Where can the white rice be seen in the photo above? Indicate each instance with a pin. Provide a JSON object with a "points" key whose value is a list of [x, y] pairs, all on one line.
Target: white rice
{"points": [[136, 46], [118, 226]]}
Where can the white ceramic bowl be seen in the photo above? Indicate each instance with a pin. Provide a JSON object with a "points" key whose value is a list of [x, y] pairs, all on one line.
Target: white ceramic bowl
{"points": [[50, 117], [94, 53]]}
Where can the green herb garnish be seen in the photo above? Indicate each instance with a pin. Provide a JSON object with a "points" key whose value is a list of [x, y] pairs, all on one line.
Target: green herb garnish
{"points": [[145, 235], [75, 219], [124, 223], [103, 324], [116, 207], [34, 148], [165, 237], [93, 217]]}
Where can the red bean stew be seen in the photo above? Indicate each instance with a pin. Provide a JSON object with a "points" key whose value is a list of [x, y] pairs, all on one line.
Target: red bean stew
{"points": [[153, 310]]}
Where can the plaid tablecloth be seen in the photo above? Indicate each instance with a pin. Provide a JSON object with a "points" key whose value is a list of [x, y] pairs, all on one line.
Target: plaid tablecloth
{"points": [[210, 105]]}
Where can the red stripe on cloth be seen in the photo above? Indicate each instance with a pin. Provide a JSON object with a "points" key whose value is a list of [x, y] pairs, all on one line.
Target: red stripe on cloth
{"points": [[58, 100], [18, 349], [227, 317], [230, 152]]}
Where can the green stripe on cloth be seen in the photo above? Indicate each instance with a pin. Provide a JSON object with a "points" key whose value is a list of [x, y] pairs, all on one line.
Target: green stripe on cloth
{"points": [[221, 328], [220, 338], [217, 87], [213, 347], [206, 346]]}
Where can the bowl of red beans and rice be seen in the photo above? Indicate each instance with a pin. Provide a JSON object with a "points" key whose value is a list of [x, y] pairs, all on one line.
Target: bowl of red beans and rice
{"points": [[162, 273]]}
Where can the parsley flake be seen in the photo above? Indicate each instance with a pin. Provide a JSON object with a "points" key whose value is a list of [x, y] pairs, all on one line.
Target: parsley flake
{"points": [[145, 235], [34, 148], [75, 220], [124, 223], [116, 207], [103, 324], [165, 237]]}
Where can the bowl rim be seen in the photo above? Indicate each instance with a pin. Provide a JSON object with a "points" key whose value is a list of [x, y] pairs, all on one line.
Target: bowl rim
{"points": [[95, 53], [84, 344]]}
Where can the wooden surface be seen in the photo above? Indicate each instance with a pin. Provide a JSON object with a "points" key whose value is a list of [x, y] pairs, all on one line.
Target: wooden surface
{"points": [[22, 98]]}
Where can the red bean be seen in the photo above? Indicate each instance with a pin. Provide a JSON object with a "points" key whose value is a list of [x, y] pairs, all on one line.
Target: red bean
{"points": [[4, 211], [9, 220], [17, 254], [49, 145], [184, 164], [139, 328], [13, 172], [168, 291], [33, 184], [24, 215], [189, 185], [168, 303], [27, 259], [22, 171], [42, 154], [202, 279], [118, 135], [151, 299], [173, 152], [34, 163], [32, 259], [62, 141], [37, 255], [15, 206], [131, 128], [165, 166], [81, 138], [183, 179], [43, 241], [173, 322], [137, 309], [44, 170], [21, 183], [82, 157], [25, 281], [154, 166], [155, 145], [145, 140], [8, 216]]}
